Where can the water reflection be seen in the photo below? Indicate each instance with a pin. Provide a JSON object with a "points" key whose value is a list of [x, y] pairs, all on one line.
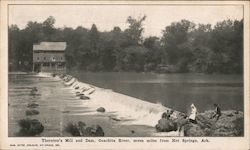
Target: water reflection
{"points": [[177, 91]]}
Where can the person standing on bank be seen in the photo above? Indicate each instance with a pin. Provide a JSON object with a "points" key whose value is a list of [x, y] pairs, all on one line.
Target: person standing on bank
{"points": [[192, 116], [217, 112]]}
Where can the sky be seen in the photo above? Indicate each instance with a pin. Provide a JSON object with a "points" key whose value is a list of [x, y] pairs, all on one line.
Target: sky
{"points": [[107, 16]]}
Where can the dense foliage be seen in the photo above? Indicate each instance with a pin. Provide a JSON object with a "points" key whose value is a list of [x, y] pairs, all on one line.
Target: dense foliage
{"points": [[183, 47]]}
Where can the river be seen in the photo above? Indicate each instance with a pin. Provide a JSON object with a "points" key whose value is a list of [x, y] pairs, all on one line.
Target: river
{"points": [[58, 105], [176, 91]]}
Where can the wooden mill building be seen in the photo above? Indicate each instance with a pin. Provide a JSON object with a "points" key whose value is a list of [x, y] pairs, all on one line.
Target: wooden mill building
{"points": [[49, 57]]}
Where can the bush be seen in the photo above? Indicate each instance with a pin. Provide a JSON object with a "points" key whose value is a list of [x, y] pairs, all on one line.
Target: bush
{"points": [[80, 130], [72, 129], [30, 127]]}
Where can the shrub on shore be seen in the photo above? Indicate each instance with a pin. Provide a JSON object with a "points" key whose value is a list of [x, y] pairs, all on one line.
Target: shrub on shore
{"points": [[81, 129], [72, 129], [30, 127]]}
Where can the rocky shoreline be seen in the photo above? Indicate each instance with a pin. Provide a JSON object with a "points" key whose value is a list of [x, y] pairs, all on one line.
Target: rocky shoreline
{"points": [[230, 123]]}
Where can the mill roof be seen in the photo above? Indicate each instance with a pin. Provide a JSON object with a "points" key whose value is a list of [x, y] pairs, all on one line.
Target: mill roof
{"points": [[50, 46]]}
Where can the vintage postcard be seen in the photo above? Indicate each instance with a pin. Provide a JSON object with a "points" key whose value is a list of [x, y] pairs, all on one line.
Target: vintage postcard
{"points": [[124, 74]]}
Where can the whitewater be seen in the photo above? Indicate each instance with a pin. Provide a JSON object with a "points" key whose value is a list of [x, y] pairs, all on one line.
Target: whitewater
{"points": [[128, 110]]}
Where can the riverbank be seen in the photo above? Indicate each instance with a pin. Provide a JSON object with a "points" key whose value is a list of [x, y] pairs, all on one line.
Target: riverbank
{"points": [[229, 124]]}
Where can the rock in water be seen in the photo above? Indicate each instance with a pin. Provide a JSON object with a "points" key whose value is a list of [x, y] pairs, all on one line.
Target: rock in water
{"points": [[32, 105], [115, 119], [90, 131], [36, 127], [30, 127], [66, 111], [81, 126], [99, 131], [80, 130], [84, 97], [100, 109], [191, 129], [91, 92], [32, 112], [34, 89], [95, 130], [163, 125], [72, 129], [166, 125], [79, 94]]}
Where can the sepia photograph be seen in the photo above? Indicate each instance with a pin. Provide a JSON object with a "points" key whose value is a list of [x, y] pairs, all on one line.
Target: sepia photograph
{"points": [[125, 70], [124, 75]]}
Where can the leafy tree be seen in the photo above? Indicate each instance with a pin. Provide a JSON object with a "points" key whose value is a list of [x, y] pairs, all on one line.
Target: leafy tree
{"points": [[94, 37], [155, 55], [202, 54], [48, 28], [176, 42], [226, 42], [133, 58], [108, 56], [13, 44], [183, 47], [135, 30]]}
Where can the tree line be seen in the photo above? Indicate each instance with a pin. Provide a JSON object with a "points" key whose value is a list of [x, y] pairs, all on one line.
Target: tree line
{"points": [[183, 47]]}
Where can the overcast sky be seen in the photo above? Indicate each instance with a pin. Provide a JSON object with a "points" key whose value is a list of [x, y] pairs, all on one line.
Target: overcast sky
{"points": [[107, 16]]}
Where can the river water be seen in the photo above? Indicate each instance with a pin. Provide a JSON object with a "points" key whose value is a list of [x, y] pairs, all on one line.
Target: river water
{"points": [[176, 91], [58, 106], [52, 99]]}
